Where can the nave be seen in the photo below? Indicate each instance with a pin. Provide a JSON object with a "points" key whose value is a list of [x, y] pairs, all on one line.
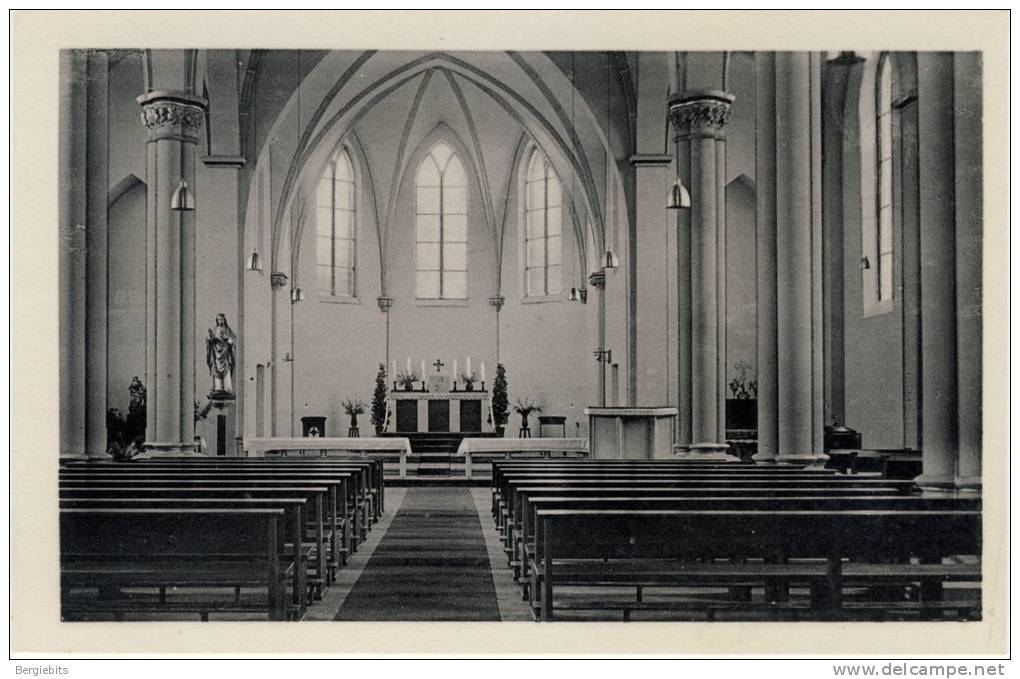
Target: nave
{"points": [[549, 540]]}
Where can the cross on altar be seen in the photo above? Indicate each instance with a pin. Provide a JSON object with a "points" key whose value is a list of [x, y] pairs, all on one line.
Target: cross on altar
{"points": [[439, 365]]}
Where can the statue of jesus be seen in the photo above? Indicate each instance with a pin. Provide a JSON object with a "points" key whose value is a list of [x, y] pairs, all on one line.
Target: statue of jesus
{"points": [[219, 354]]}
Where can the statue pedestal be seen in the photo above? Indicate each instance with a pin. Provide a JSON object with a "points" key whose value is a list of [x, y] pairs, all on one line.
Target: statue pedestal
{"points": [[222, 420]]}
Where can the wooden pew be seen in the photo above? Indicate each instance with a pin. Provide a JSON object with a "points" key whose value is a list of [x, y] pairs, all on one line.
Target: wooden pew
{"points": [[295, 511], [368, 473], [340, 544], [185, 547], [680, 480], [314, 497], [518, 494], [376, 480], [365, 481], [353, 488], [525, 548], [584, 546]]}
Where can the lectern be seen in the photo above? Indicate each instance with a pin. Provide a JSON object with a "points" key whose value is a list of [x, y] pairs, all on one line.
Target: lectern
{"points": [[631, 433]]}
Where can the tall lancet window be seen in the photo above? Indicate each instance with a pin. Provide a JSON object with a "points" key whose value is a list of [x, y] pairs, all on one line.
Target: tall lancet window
{"points": [[336, 242], [884, 178], [543, 220], [441, 234]]}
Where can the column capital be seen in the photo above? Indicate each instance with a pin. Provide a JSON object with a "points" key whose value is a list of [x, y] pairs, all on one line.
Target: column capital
{"points": [[699, 113], [172, 115], [278, 279], [497, 301], [385, 303], [846, 58], [597, 279]]}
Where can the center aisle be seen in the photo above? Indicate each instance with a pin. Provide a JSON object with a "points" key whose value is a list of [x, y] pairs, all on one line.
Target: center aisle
{"points": [[432, 564]]}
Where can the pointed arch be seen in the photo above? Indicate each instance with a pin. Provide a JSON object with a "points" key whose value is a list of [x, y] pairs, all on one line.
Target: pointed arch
{"points": [[122, 187]]}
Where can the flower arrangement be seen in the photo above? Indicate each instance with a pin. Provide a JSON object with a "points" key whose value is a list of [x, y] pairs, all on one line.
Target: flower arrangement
{"points": [[354, 407], [744, 385], [469, 380], [525, 407], [407, 379]]}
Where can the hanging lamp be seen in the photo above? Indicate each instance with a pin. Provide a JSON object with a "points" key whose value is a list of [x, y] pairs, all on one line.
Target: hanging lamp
{"points": [[576, 294], [609, 259], [679, 196], [182, 199], [254, 260]]}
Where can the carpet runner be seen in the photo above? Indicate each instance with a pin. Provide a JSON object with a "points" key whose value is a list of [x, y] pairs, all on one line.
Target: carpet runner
{"points": [[432, 564]]}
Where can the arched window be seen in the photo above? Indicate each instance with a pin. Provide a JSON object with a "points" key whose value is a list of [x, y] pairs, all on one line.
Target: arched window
{"points": [[336, 241], [440, 209], [543, 220], [884, 178]]}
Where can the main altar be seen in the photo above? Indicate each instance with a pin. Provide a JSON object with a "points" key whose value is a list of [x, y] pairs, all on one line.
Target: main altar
{"points": [[437, 403]]}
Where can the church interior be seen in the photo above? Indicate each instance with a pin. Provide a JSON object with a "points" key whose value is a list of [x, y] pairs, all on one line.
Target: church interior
{"points": [[510, 335]]}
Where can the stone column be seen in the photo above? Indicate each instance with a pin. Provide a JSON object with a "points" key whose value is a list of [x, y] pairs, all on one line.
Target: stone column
{"points": [[940, 406], [698, 118], [97, 185], [173, 120], [838, 79], [798, 257], [278, 281], [598, 281], [496, 302], [72, 252], [969, 241], [767, 348], [788, 156], [385, 304]]}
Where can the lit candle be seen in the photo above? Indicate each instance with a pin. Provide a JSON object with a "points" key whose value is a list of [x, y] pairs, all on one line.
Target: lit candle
{"points": [[455, 369], [394, 375], [468, 368], [408, 365], [483, 371], [423, 370]]}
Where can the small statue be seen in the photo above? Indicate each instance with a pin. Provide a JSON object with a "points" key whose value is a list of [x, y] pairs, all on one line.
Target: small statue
{"points": [[137, 392], [219, 355]]}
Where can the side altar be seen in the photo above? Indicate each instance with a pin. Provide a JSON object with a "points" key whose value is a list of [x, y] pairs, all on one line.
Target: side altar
{"points": [[437, 404]]}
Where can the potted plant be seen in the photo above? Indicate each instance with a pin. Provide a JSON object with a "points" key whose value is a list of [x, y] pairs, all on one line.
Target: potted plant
{"points": [[379, 400], [524, 408], [500, 403], [354, 407], [742, 408], [407, 379], [469, 380]]}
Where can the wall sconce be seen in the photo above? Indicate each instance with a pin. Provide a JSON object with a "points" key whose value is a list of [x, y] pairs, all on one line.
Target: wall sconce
{"points": [[610, 260], [865, 263], [297, 295], [603, 355], [578, 295]]}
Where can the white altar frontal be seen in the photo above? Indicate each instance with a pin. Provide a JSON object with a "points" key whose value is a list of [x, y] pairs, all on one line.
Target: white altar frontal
{"points": [[436, 404]]}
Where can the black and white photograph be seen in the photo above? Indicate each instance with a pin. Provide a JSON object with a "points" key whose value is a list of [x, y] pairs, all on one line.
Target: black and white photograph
{"points": [[357, 334]]}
